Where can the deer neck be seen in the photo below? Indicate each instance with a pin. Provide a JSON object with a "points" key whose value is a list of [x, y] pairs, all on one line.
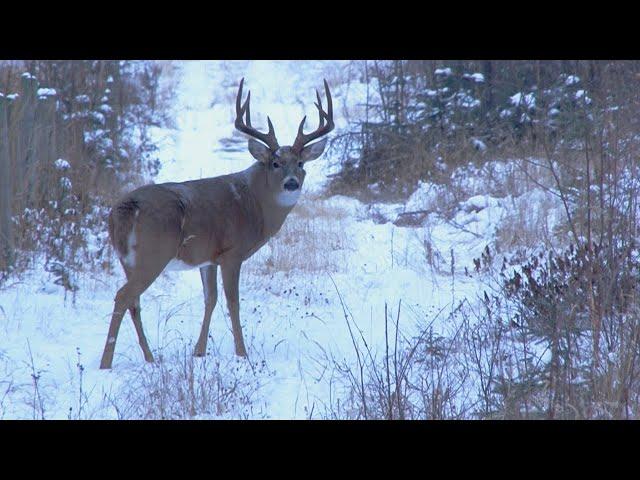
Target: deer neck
{"points": [[275, 204]]}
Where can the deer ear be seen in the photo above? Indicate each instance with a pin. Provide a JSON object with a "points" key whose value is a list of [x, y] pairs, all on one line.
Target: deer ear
{"points": [[313, 151], [259, 151]]}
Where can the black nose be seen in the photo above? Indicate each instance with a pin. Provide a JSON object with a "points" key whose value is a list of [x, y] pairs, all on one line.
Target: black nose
{"points": [[291, 185]]}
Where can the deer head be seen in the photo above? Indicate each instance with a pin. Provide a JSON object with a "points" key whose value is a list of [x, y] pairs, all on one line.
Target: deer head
{"points": [[284, 166]]}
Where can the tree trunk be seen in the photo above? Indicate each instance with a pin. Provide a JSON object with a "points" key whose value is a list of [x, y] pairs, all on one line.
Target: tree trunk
{"points": [[6, 234]]}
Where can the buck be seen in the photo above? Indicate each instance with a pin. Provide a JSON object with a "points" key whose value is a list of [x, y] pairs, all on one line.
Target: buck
{"points": [[211, 222]]}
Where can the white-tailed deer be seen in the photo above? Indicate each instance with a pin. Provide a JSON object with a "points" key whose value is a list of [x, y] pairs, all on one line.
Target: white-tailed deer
{"points": [[209, 222]]}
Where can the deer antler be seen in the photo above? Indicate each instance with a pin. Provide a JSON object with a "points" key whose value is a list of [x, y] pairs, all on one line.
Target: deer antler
{"points": [[269, 138], [302, 139]]}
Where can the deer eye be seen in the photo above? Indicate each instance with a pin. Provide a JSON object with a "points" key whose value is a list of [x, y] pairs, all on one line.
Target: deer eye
{"points": [[276, 165], [300, 164]]}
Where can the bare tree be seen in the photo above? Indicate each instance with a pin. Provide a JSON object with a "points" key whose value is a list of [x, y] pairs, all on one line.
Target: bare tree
{"points": [[6, 240]]}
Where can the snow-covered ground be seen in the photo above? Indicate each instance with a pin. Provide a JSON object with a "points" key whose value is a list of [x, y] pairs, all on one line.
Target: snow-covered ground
{"points": [[330, 256]]}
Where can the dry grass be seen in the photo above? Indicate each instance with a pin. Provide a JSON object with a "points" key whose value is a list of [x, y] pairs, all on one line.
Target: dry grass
{"points": [[525, 226], [312, 239], [180, 386]]}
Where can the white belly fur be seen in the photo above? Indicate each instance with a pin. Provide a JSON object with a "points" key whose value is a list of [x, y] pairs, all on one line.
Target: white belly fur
{"points": [[176, 265]]}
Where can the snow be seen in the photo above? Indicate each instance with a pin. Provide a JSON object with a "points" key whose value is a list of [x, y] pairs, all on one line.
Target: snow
{"points": [[479, 144], [582, 95], [330, 256], [476, 77], [528, 100], [423, 196], [479, 202], [66, 183], [47, 92], [62, 164], [572, 80], [445, 72], [467, 101], [505, 113]]}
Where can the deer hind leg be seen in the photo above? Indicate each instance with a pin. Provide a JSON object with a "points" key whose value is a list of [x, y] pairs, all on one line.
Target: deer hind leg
{"points": [[136, 317], [124, 299], [210, 286], [134, 310], [230, 279], [128, 297]]}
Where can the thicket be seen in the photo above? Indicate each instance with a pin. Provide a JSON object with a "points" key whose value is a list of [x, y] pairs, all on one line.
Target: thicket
{"points": [[557, 332], [423, 118], [73, 134]]}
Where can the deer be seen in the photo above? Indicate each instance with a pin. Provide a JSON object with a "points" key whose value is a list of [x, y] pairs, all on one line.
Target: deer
{"points": [[210, 223]]}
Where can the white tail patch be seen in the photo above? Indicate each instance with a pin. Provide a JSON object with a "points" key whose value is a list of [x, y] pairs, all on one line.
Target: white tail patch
{"points": [[130, 258], [287, 198]]}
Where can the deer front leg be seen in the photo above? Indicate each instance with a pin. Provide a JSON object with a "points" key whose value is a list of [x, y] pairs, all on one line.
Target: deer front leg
{"points": [[210, 287], [230, 280]]}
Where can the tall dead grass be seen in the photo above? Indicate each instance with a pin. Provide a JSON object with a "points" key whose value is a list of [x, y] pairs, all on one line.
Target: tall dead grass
{"points": [[313, 239], [181, 386]]}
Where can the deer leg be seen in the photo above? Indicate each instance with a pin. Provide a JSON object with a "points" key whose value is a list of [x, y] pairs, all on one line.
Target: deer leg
{"points": [[134, 310], [210, 286], [126, 298], [230, 279], [123, 300]]}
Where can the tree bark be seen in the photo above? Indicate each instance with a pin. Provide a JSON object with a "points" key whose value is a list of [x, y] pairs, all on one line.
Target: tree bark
{"points": [[6, 189]]}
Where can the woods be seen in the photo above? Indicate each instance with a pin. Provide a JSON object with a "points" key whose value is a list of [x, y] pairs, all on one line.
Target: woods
{"points": [[6, 190], [74, 133], [569, 128]]}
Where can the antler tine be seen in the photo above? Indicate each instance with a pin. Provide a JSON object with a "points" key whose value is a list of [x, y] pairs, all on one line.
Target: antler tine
{"points": [[244, 110], [319, 106], [301, 127], [239, 97], [248, 108], [323, 128], [329, 100]]}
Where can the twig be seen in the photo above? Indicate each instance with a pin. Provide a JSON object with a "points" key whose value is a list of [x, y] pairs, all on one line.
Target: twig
{"points": [[36, 391]]}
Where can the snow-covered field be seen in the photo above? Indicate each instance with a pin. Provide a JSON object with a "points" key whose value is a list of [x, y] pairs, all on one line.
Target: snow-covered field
{"points": [[330, 257]]}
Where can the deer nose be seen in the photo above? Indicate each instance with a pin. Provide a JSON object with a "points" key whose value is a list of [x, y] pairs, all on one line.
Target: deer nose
{"points": [[291, 185]]}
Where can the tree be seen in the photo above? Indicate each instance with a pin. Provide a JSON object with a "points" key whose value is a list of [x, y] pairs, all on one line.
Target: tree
{"points": [[6, 236]]}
